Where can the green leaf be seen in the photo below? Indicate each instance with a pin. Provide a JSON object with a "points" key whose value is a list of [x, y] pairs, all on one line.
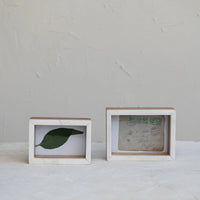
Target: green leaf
{"points": [[57, 137]]}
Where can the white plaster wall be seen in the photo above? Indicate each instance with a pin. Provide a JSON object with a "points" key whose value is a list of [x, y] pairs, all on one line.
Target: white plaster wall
{"points": [[73, 58]]}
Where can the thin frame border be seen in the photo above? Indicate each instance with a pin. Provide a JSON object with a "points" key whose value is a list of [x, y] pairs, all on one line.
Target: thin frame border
{"points": [[141, 111], [62, 122]]}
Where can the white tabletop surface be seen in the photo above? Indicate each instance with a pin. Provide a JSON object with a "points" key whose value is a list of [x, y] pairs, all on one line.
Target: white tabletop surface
{"points": [[102, 180]]}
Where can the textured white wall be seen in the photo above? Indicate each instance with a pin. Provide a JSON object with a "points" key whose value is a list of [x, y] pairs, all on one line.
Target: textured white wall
{"points": [[74, 58]]}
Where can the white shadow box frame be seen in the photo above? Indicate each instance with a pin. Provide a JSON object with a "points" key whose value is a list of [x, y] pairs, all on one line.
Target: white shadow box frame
{"points": [[78, 150], [113, 152]]}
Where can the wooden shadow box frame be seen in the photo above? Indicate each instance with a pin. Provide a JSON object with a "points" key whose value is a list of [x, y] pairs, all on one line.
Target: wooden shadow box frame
{"points": [[59, 159], [169, 112]]}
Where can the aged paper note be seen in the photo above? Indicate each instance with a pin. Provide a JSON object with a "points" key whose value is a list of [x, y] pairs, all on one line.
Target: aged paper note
{"points": [[141, 133]]}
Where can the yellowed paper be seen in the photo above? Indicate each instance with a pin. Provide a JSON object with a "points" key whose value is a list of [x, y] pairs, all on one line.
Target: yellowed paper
{"points": [[141, 133]]}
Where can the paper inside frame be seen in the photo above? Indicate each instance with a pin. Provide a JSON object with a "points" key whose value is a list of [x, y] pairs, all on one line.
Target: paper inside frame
{"points": [[126, 132]]}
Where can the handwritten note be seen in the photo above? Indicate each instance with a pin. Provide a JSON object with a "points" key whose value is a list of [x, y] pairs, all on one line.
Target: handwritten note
{"points": [[141, 133]]}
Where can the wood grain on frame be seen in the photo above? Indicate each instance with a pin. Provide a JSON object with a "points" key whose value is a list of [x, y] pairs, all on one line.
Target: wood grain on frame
{"points": [[58, 156], [141, 153], [60, 118], [139, 108], [169, 139]]}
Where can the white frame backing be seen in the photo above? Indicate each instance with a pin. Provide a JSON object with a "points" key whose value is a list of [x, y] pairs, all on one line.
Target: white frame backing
{"points": [[59, 122], [142, 111]]}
